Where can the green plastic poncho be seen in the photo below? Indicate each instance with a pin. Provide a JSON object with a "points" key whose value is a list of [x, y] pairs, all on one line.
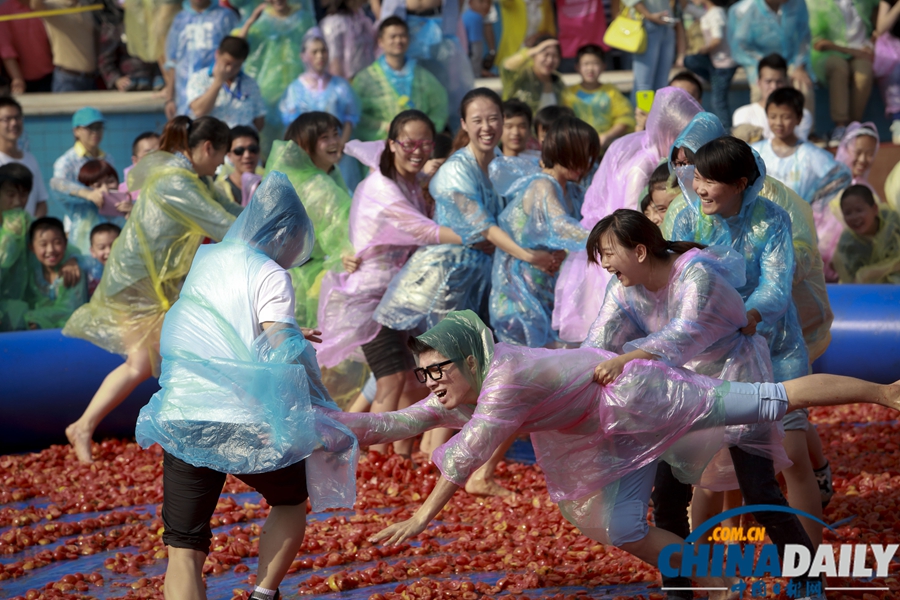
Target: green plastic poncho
{"points": [[327, 202], [871, 260], [13, 269], [147, 24], [151, 257], [459, 335], [51, 304]]}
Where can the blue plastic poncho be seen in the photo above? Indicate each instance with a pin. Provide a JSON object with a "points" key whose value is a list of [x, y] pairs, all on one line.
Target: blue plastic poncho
{"points": [[235, 398], [810, 171], [447, 277], [808, 291], [755, 30], [761, 232], [694, 322], [540, 216]]}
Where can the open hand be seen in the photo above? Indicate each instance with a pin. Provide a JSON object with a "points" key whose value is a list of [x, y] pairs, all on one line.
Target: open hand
{"points": [[399, 532]]}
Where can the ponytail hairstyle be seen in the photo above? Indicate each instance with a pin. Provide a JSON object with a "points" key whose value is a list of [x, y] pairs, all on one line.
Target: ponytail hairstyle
{"points": [[462, 138], [571, 143], [727, 160], [182, 134], [630, 229], [306, 129], [386, 166]]}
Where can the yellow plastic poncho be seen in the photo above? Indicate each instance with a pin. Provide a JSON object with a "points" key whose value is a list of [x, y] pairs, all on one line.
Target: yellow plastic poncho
{"points": [[327, 202], [809, 292], [871, 260], [150, 259]]}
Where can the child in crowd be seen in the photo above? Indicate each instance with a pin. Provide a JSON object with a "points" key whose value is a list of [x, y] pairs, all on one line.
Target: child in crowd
{"points": [[350, 37], [713, 61], [473, 20], [530, 74], [773, 75], [517, 119], [804, 167], [239, 173], [96, 175], [50, 302], [656, 203], [600, 105], [102, 238], [15, 186], [546, 117], [143, 144], [191, 45], [869, 250]]}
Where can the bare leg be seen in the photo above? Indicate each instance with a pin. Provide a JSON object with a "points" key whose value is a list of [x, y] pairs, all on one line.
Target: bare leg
{"points": [[803, 490], [413, 391], [282, 536], [482, 483], [705, 505], [832, 390], [436, 438], [814, 443], [387, 398], [184, 575], [112, 392], [359, 405]]}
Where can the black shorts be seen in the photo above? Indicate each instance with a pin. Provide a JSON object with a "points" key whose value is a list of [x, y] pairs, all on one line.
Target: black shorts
{"points": [[388, 354], [190, 495]]}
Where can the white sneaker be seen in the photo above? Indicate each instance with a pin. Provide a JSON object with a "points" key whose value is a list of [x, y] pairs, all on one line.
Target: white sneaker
{"points": [[895, 132]]}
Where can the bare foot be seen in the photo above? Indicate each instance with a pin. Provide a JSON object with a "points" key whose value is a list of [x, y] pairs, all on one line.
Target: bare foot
{"points": [[489, 487], [81, 442], [892, 395]]}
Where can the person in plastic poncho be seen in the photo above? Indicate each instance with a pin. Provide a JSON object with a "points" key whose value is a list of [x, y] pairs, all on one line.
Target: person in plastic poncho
{"points": [[435, 43], [178, 208], [445, 277], [727, 210], [869, 249], [677, 302], [618, 183], [394, 83], [318, 90], [274, 31], [241, 394], [543, 211], [597, 444], [310, 159]]}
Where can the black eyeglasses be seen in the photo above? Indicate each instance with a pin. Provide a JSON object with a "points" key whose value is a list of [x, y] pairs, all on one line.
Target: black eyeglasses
{"points": [[252, 149], [434, 371]]}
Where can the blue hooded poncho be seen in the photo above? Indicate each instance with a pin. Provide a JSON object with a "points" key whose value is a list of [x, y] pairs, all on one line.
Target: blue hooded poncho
{"points": [[235, 398]]}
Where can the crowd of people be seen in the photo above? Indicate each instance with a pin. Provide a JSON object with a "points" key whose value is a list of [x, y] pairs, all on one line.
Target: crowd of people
{"points": [[338, 192]]}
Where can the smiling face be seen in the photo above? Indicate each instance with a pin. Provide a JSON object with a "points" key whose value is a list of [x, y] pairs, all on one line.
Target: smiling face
{"points": [[515, 135], [316, 55], [629, 266], [414, 135], [660, 200], [862, 154], [49, 246], [394, 41], [248, 159], [483, 122], [717, 198], [101, 245], [328, 150], [11, 124], [782, 120], [546, 61], [860, 216], [145, 147], [452, 389]]}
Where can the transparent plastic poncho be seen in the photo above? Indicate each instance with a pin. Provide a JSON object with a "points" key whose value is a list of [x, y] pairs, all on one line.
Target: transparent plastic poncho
{"points": [[146, 24], [81, 217], [623, 174], [152, 255], [275, 44], [871, 260], [51, 304], [327, 202], [808, 291], [755, 30], [236, 398], [13, 268], [694, 323], [447, 277], [388, 221], [761, 232], [810, 171], [540, 216], [586, 436]]}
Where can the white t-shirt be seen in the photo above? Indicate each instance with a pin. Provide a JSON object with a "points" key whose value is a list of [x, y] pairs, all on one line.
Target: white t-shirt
{"points": [[274, 298], [38, 191], [712, 24], [754, 114]]}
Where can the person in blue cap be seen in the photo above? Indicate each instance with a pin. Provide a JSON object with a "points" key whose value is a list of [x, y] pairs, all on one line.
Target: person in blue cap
{"points": [[242, 394]]}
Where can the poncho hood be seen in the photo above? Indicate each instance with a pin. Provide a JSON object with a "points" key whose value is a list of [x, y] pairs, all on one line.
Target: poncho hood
{"points": [[459, 335]]}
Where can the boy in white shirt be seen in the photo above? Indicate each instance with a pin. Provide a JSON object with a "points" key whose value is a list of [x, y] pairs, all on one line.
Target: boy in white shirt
{"points": [[773, 75]]}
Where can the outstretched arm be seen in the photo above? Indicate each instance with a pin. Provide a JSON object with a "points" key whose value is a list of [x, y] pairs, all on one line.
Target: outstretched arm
{"points": [[402, 531]]}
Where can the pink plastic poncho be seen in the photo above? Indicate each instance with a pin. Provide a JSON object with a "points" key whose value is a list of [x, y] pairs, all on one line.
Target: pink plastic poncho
{"points": [[827, 212], [387, 223], [623, 174], [694, 323], [586, 436]]}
